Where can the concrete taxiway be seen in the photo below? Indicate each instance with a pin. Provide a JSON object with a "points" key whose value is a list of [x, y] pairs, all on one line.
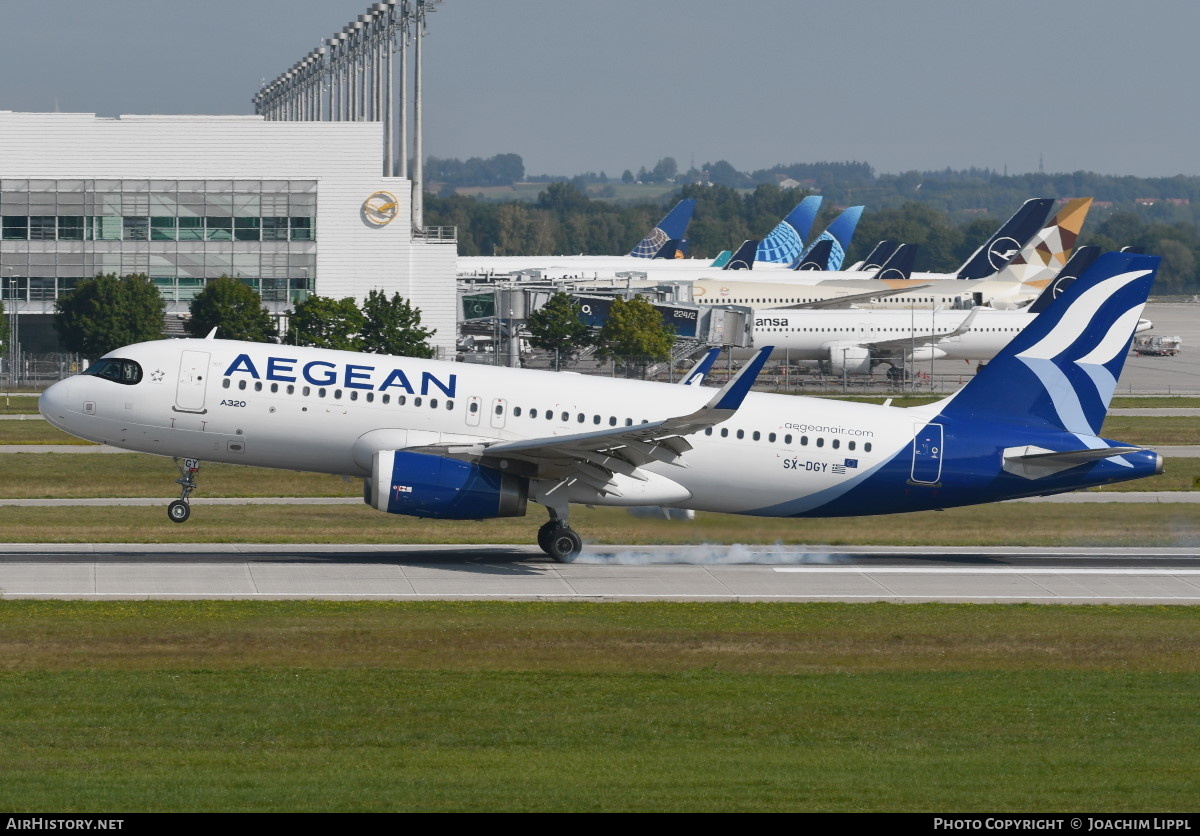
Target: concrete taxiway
{"points": [[602, 573]]}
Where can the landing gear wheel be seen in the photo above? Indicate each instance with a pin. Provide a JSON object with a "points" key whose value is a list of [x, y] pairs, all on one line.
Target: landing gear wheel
{"points": [[179, 511], [564, 544], [543, 535]]}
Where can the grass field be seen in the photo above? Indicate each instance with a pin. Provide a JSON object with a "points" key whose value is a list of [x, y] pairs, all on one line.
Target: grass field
{"points": [[507, 707], [1013, 524]]}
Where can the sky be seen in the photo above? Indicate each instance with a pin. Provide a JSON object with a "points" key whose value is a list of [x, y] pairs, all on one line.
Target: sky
{"points": [[1057, 85]]}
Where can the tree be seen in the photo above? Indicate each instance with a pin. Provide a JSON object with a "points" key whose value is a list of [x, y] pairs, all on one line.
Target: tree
{"points": [[393, 327], [234, 309], [325, 322], [634, 329], [556, 327], [107, 312]]}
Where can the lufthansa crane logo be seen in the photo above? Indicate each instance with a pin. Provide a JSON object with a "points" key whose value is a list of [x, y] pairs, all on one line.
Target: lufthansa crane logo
{"points": [[380, 209]]}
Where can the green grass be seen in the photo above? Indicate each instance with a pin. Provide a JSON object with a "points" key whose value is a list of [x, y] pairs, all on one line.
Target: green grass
{"points": [[499, 707], [18, 404], [1014, 524]]}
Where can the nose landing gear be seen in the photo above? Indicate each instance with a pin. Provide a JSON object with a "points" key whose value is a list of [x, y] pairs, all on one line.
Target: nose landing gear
{"points": [[179, 510]]}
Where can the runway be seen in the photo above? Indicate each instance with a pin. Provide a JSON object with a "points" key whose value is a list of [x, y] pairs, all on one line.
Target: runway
{"points": [[741, 573]]}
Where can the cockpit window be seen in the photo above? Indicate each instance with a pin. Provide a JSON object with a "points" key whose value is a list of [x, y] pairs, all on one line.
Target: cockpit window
{"points": [[118, 371]]}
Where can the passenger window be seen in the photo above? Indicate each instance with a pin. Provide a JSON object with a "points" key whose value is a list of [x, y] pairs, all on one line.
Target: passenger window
{"points": [[225, 383]]}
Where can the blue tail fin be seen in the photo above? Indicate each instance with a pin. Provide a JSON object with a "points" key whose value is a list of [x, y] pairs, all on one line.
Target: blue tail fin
{"points": [[817, 257], [839, 232], [1060, 372], [786, 241], [882, 252], [743, 257], [900, 264], [672, 227], [1008, 240], [1080, 261]]}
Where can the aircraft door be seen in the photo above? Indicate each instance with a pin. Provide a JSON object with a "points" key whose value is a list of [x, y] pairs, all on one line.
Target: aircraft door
{"points": [[499, 410], [927, 454], [474, 407], [193, 382]]}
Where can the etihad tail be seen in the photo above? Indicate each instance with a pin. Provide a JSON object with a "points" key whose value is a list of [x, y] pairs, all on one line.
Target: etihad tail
{"points": [[839, 232], [1045, 255], [671, 228], [786, 241], [1059, 373], [1008, 240]]}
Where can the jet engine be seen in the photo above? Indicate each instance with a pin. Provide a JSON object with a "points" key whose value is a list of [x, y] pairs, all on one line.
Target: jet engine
{"points": [[925, 353], [424, 485], [849, 357]]}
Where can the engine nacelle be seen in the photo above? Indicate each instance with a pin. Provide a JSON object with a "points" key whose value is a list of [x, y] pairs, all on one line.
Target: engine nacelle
{"points": [[423, 485], [925, 353], [849, 357]]}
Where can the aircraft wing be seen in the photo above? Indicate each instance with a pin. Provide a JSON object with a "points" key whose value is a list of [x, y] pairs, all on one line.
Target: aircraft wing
{"points": [[593, 457], [849, 300], [915, 339]]}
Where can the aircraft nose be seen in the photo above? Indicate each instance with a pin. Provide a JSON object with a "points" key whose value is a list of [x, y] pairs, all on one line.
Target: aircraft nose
{"points": [[56, 403]]}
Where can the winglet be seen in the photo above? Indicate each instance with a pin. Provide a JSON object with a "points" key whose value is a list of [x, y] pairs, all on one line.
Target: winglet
{"points": [[734, 392], [700, 371], [212, 334]]}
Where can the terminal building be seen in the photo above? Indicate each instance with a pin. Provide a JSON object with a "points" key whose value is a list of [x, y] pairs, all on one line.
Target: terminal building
{"points": [[291, 208]]}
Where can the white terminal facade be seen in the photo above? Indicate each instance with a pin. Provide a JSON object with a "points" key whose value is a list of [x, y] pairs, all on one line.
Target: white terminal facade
{"points": [[291, 208]]}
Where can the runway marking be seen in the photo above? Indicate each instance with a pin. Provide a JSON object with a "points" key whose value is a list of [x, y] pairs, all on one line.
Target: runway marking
{"points": [[982, 570]]}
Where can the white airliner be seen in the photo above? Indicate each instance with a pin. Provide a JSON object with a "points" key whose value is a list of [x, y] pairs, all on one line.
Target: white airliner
{"points": [[461, 441], [1019, 281], [854, 341]]}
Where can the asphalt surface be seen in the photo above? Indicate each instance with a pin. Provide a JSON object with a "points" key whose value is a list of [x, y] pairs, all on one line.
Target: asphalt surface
{"points": [[1159, 576]]}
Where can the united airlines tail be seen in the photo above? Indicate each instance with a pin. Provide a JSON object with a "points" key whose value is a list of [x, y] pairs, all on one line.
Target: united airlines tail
{"points": [[839, 232], [1008, 240], [671, 228], [786, 241]]}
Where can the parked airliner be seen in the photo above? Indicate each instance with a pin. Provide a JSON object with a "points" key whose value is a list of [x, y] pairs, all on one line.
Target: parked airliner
{"points": [[854, 341], [461, 441]]}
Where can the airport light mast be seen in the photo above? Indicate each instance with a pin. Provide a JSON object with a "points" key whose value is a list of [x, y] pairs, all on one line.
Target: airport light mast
{"points": [[351, 77]]}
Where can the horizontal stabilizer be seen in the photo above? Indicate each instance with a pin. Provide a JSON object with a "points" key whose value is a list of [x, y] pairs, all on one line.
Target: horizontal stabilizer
{"points": [[1038, 462]]}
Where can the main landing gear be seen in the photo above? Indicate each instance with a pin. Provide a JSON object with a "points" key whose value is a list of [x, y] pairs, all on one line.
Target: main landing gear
{"points": [[559, 540], [179, 510]]}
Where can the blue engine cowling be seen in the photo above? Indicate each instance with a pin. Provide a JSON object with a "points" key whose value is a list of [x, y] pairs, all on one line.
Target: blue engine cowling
{"points": [[422, 485]]}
